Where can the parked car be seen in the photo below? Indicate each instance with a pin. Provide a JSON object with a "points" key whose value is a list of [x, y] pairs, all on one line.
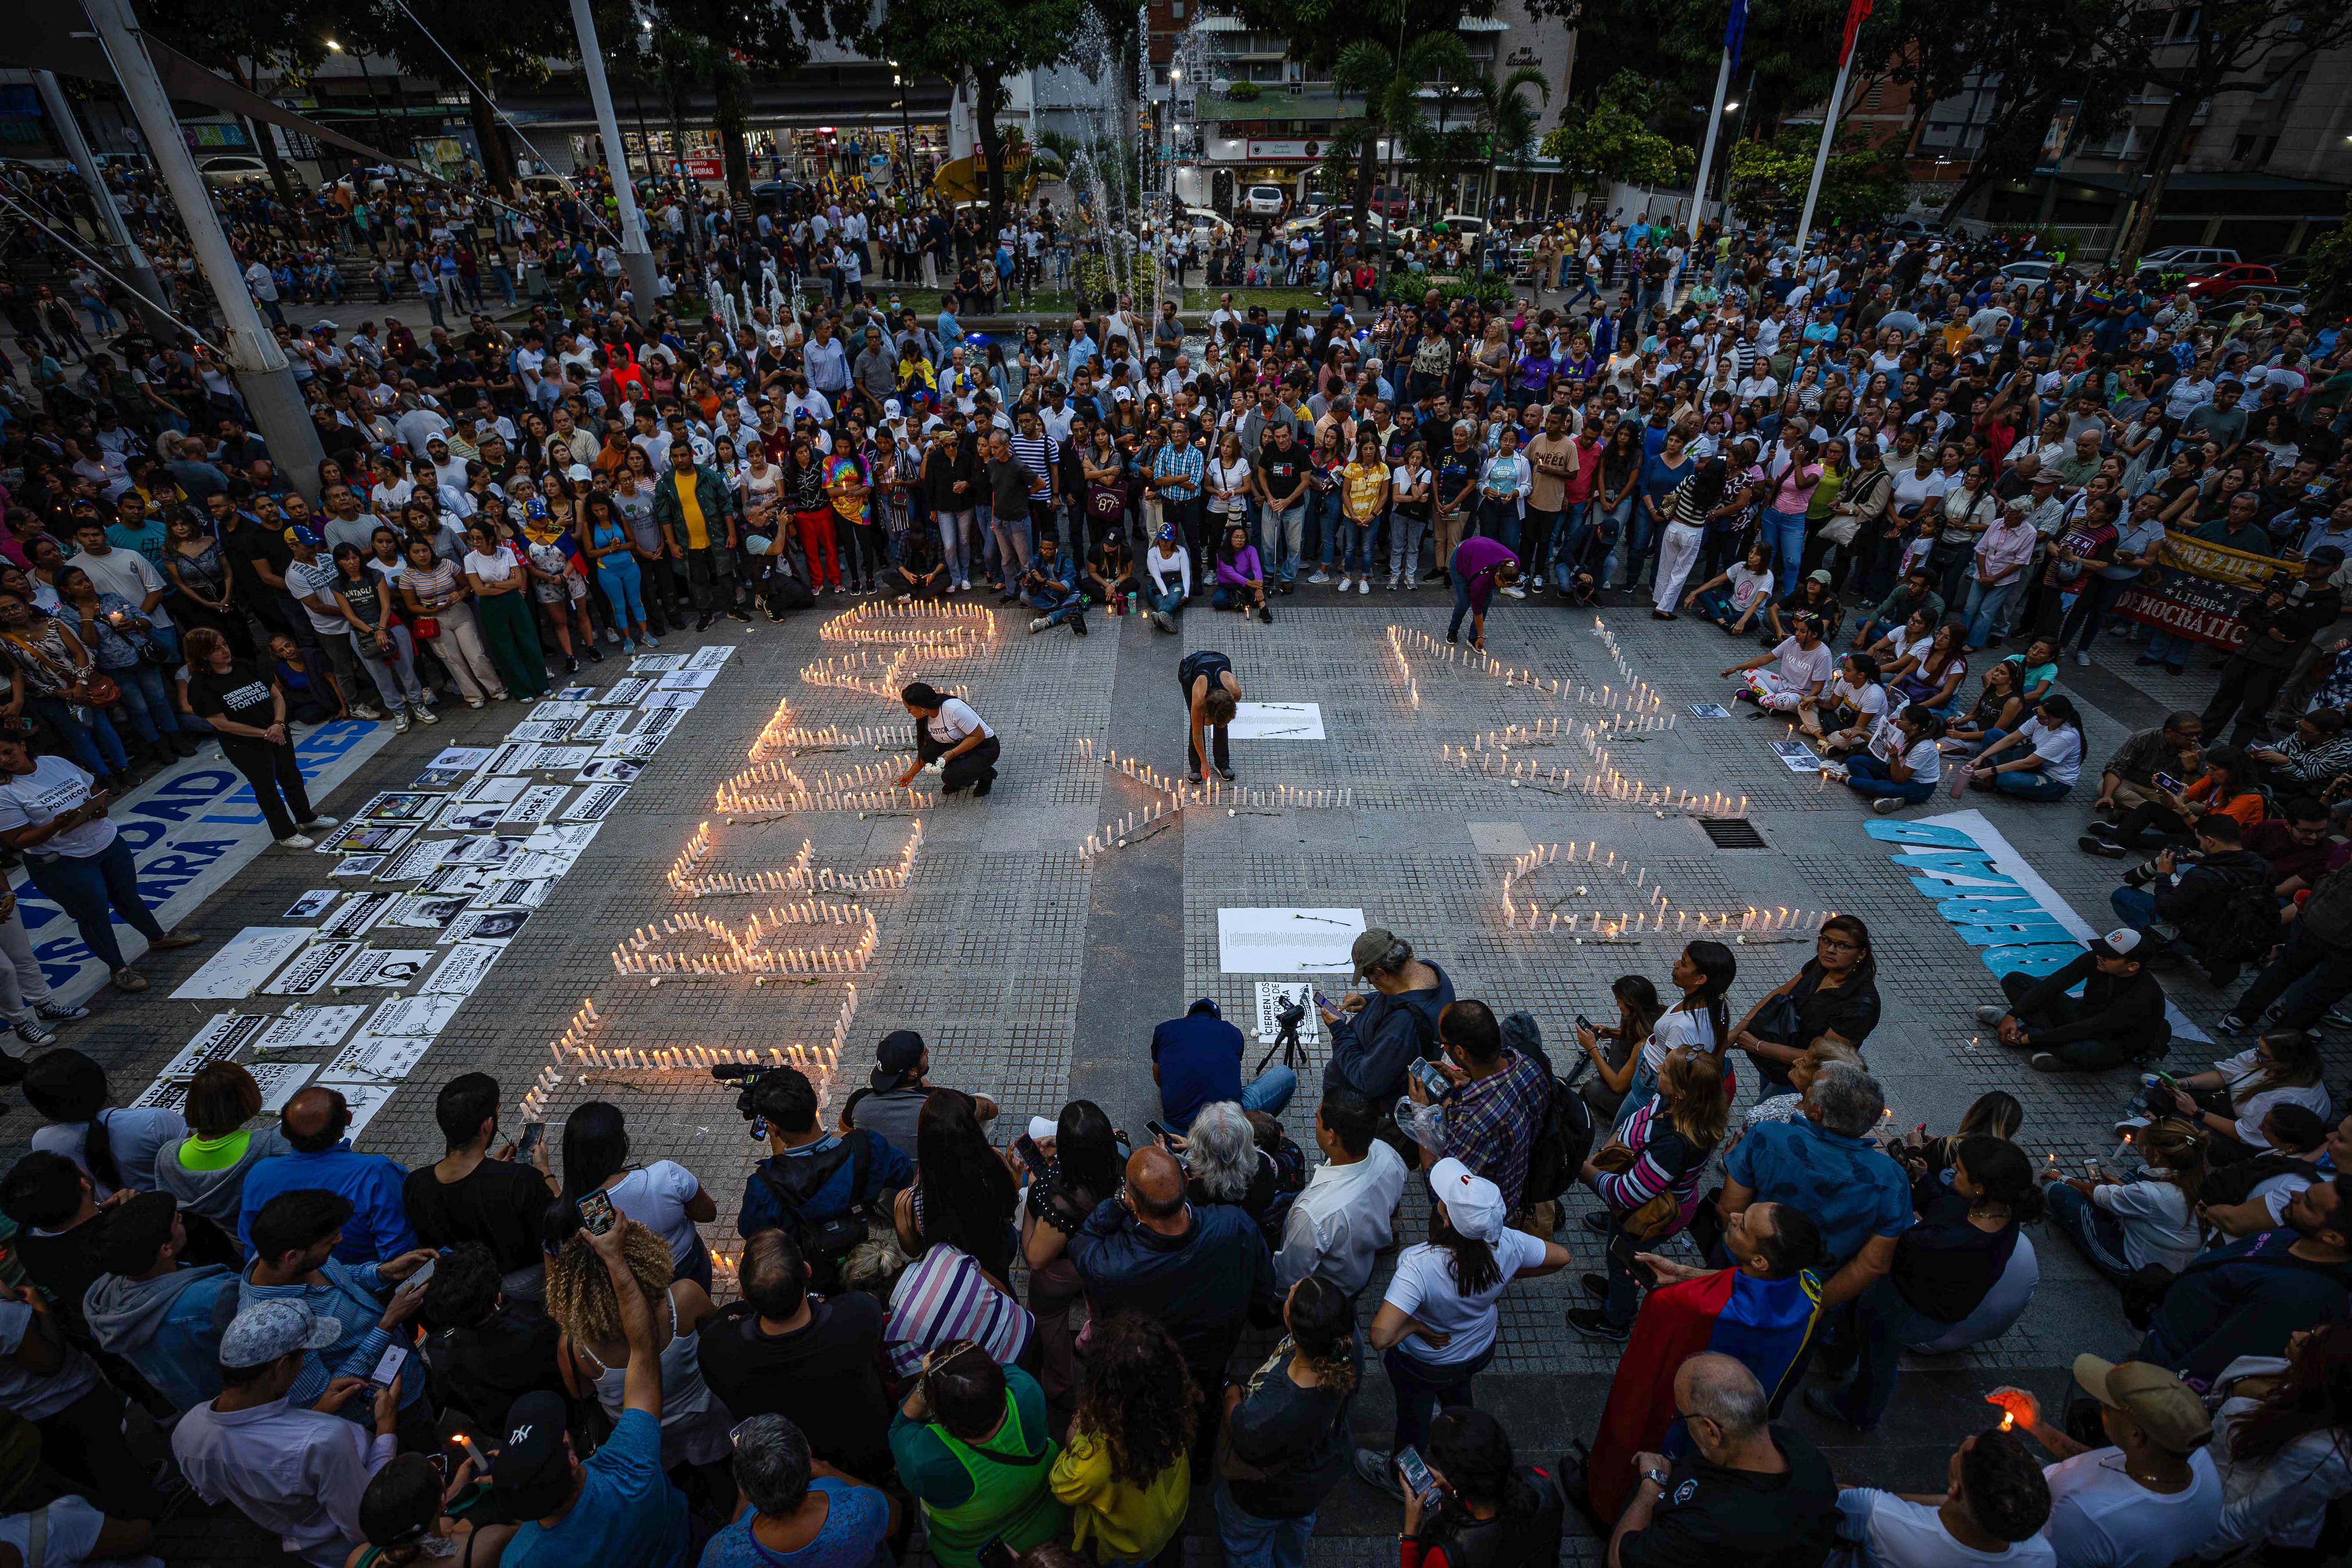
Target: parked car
{"points": [[2166, 266], [1391, 201], [1264, 201], [1204, 220], [1918, 228], [233, 170], [2290, 269], [779, 193], [2224, 281]]}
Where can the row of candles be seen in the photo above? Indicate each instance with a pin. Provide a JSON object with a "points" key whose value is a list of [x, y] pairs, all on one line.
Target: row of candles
{"points": [[1643, 695], [1635, 698], [777, 786], [575, 1047], [1606, 783], [753, 949], [802, 874]]}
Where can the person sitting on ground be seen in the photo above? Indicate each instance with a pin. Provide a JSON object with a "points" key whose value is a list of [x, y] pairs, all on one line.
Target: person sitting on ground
{"points": [[162, 1314], [1734, 597], [2280, 1442], [116, 1146], [1613, 1045], [1802, 661], [1999, 707], [1843, 717], [2298, 844], [407, 1508], [2150, 1221], [1903, 764], [1809, 595], [1751, 1491], [2215, 907], [2226, 784], [1374, 1037], [2129, 777], [818, 1183], [2230, 1098], [47, 1197], [1992, 1114], [2139, 1502], [1787, 1107], [315, 1122], [205, 1172], [471, 1196], [2119, 1018], [796, 1507], [1994, 1505], [295, 1237], [1197, 1060], [2252, 1194], [484, 1351], [2244, 1297], [1485, 1506], [2038, 760], [890, 1101], [1914, 595], [1833, 993]]}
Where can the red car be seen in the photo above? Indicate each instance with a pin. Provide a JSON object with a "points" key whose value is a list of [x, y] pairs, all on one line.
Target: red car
{"points": [[2223, 279]]}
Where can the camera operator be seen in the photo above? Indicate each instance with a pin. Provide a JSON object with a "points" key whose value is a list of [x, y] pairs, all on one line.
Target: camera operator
{"points": [[2213, 904], [818, 1187]]}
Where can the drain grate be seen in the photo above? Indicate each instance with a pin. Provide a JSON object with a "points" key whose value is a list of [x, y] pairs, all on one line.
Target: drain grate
{"points": [[1732, 832]]}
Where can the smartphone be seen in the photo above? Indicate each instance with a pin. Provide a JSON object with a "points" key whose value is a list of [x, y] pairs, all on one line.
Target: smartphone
{"points": [[595, 1213], [1030, 1155], [533, 1135], [1416, 1474], [1623, 1250], [1326, 1003], [388, 1365], [1587, 1024], [1426, 1073], [422, 1273], [1157, 1131], [2166, 781], [994, 1554]]}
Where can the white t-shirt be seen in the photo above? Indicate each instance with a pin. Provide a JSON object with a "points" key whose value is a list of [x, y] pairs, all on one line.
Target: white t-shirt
{"points": [[132, 1133], [1912, 492], [2101, 1518], [656, 1197], [2242, 1068], [2157, 1226], [495, 567], [1802, 667], [317, 580], [1747, 587], [1866, 699], [1904, 1534], [53, 788], [955, 720], [1692, 1027], [73, 1526], [1424, 1285], [2061, 750]]}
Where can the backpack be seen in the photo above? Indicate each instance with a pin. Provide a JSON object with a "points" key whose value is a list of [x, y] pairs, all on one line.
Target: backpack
{"points": [[823, 1243], [1563, 1134], [2244, 924], [2234, 1184]]}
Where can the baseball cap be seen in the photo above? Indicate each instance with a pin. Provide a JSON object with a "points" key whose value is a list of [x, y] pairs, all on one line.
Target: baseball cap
{"points": [[298, 534], [578, 474], [2158, 1402], [1370, 948], [898, 1054], [1820, 576], [125, 1238], [1473, 1206], [268, 1329], [2123, 942], [531, 1477], [2328, 555]]}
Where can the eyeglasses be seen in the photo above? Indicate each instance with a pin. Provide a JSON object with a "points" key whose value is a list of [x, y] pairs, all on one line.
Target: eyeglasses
{"points": [[1841, 942]]}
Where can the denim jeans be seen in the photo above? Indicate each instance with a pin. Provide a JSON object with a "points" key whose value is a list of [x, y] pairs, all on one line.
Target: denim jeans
{"points": [[1404, 545], [2098, 1234], [1785, 533], [1253, 1543], [1500, 520], [1010, 531], [94, 745], [145, 700], [1883, 1322], [1286, 539], [1985, 607], [1423, 1386], [1462, 605], [84, 887], [1057, 607], [1323, 519], [2165, 648], [1356, 545], [1866, 775], [1271, 1090], [1167, 603]]}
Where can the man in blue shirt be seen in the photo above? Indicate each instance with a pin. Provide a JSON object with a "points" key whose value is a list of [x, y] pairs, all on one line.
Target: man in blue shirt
{"points": [[1197, 1059], [618, 1510], [1820, 1165], [815, 1180], [314, 1123]]}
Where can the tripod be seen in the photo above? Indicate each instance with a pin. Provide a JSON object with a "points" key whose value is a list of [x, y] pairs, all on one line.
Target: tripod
{"points": [[1288, 1015]]}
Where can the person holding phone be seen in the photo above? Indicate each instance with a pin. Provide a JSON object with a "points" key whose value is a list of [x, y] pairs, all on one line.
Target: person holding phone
{"points": [[472, 1194], [1287, 1430], [1482, 1504]]}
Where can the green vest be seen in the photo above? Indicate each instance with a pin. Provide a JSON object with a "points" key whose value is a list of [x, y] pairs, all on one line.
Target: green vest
{"points": [[1011, 1494]]}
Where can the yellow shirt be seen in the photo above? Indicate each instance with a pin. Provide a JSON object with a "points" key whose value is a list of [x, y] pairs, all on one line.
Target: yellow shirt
{"points": [[1130, 1523], [697, 531], [1364, 489]]}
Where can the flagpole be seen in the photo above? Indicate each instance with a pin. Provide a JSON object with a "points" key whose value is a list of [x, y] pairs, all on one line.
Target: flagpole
{"points": [[1707, 148], [1821, 154]]}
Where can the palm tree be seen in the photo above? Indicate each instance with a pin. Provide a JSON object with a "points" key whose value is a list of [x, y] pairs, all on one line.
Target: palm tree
{"points": [[1508, 119], [1390, 83]]}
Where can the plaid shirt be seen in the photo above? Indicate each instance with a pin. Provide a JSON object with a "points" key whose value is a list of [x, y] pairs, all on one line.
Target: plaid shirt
{"points": [[1182, 462], [1490, 1122]]}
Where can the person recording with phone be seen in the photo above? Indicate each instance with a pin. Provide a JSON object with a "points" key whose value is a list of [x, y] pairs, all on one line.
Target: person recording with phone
{"points": [[473, 1195], [294, 1239], [1480, 1505], [1483, 1103]]}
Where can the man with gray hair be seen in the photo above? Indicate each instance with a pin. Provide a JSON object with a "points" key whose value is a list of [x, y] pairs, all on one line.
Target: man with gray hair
{"points": [[1753, 1492], [794, 1495], [1820, 1165]]}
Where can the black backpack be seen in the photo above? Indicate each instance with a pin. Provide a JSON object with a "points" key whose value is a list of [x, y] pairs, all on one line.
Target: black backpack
{"points": [[2243, 923], [823, 1243], [1563, 1135]]}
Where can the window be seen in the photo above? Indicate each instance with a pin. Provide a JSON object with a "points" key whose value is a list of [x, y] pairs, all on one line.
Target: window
{"points": [[2182, 27]]}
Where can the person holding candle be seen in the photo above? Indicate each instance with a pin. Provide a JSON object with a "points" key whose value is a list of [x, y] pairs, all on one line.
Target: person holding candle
{"points": [[947, 731]]}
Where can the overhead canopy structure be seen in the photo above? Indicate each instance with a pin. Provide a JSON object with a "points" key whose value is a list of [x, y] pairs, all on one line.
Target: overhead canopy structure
{"points": [[61, 39]]}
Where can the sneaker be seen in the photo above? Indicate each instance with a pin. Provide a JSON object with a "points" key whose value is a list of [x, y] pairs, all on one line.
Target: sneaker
{"points": [[296, 841], [1595, 1286], [1596, 1221], [1365, 585], [612, 635], [1037, 626], [32, 1032], [1515, 591], [628, 646], [1345, 583], [702, 622], [1836, 770], [2081, 659], [571, 663], [2339, 1019], [322, 820], [595, 654], [361, 710], [400, 722], [2042, 1061], [650, 640], [128, 979], [1588, 1321], [1165, 622], [427, 716], [1887, 805], [1224, 772], [1823, 1402], [738, 615], [2091, 844], [1320, 577], [1267, 615], [474, 702], [1991, 1017], [1536, 583], [2234, 1024], [1378, 1470], [57, 1012]]}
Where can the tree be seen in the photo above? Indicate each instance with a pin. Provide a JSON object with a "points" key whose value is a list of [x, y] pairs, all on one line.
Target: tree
{"points": [[2331, 265], [1608, 141], [2233, 47], [1861, 182], [982, 42], [1390, 81], [247, 40], [1787, 58], [464, 45], [1506, 119]]}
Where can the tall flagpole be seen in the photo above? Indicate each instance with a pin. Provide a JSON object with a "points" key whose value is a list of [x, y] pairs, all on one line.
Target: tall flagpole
{"points": [[1707, 148], [1821, 154]]}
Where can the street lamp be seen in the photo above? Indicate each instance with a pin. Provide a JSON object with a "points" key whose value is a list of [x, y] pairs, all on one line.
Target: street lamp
{"points": [[905, 132]]}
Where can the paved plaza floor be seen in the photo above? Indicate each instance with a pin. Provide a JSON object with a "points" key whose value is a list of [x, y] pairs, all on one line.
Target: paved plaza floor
{"points": [[1036, 970]]}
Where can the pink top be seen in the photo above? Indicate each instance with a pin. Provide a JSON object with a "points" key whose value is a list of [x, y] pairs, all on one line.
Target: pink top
{"points": [[1795, 491]]}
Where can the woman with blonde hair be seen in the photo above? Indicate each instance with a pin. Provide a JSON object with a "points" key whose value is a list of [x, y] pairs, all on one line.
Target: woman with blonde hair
{"points": [[1127, 1469], [593, 1352], [2122, 1227], [1647, 1178]]}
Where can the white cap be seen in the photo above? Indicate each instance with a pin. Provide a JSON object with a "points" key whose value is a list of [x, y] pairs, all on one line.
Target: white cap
{"points": [[1473, 1206], [2123, 942], [1043, 1126]]}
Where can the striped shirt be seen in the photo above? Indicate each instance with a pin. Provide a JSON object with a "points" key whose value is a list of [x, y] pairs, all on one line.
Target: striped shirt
{"points": [[1663, 1160], [1038, 453], [943, 1296]]}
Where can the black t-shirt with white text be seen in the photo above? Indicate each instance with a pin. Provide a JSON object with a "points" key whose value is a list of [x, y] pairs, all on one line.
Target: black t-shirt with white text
{"points": [[237, 692]]}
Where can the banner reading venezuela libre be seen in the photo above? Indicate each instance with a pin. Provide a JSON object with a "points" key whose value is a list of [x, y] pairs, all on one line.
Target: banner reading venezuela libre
{"points": [[2199, 592]]}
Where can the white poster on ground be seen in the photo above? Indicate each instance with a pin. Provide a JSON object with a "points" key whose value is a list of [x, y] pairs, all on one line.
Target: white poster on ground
{"points": [[191, 828], [1272, 995], [422, 1014], [311, 968], [1286, 941], [220, 1039], [244, 962], [384, 966], [461, 971], [364, 1097], [1277, 721], [310, 1029]]}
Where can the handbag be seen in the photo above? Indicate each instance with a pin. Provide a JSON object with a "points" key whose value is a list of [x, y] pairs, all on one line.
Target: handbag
{"points": [[426, 627], [1656, 1216], [102, 691]]}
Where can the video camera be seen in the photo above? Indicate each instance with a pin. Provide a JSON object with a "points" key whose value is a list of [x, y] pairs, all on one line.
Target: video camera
{"points": [[748, 1075]]}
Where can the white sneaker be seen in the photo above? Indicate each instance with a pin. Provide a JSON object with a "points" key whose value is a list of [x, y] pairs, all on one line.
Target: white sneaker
{"points": [[361, 710], [297, 842], [1036, 626], [323, 820], [400, 722], [1345, 583], [1515, 591], [2081, 659], [1363, 587], [1320, 577], [1887, 805], [427, 716], [1536, 583]]}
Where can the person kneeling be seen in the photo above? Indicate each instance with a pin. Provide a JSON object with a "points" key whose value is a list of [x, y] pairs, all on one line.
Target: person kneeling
{"points": [[1241, 581]]}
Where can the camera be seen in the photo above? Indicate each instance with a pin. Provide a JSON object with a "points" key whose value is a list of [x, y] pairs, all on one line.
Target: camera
{"points": [[1290, 1014], [2146, 873], [748, 1075]]}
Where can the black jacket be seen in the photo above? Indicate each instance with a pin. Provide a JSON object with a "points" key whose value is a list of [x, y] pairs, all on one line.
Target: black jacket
{"points": [[2306, 610], [2128, 1009], [2202, 899]]}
